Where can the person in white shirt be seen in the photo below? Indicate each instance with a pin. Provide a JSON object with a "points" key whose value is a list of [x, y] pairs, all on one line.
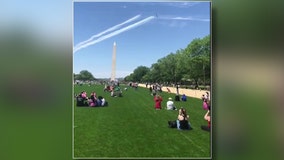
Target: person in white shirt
{"points": [[170, 105]]}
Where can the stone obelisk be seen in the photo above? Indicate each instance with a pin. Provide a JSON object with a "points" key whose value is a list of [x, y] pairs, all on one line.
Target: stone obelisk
{"points": [[112, 78]]}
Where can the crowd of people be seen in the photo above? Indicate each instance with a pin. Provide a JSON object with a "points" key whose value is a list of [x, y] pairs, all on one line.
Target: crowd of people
{"points": [[114, 90], [92, 101], [182, 122], [154, 88]]}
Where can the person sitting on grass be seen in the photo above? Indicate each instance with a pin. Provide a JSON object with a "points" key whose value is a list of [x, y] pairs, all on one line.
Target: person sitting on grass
{"points": [[92, 100], [80, 101], [84, 95], [104, 102], [112, 93], [183, 120], [183, 97], [99, 101], [207, 118], [170, 105]]}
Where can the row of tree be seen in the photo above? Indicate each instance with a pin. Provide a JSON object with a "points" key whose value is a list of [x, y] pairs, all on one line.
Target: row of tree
{"points": [[84, 75], [189, 64]]}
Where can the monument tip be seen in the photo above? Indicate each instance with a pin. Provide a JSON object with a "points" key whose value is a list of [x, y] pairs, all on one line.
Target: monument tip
{"points": [[114, 43]]}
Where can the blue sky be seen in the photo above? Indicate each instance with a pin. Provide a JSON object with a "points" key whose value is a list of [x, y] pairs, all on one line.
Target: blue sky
{"points": [[143, 31]]}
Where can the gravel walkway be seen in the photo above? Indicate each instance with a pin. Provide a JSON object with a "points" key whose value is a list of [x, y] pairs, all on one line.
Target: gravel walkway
{"points": [[188, 92]]}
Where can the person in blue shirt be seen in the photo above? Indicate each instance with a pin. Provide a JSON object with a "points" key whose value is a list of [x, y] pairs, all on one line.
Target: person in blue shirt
{"points": [[183, 97]]}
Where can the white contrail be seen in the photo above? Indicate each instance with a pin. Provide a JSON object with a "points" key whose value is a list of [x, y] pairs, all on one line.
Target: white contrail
{"points": [[114, 33], [190, 19], [108, 30], [184, 18]]}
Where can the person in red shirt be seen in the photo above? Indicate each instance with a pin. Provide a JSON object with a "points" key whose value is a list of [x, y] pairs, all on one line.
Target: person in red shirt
{"points": [[158, 100]]}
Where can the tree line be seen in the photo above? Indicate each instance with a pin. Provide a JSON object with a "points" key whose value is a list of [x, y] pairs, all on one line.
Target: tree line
{"points": [[84, 75], [191, 64]]}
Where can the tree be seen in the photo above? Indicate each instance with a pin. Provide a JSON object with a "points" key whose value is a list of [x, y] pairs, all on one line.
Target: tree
{"points": [[192, 63], [183, 65], [84, 75], [198, 52], [139, 72], [168, 67], [129, 78], [76, 76], [155, 72]]}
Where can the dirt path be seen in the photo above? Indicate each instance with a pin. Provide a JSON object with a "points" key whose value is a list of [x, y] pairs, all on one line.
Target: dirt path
{"points": [[188, 92]]}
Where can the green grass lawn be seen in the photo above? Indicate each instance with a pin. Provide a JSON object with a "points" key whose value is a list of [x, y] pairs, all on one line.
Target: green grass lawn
{"points": [[130, 127]]}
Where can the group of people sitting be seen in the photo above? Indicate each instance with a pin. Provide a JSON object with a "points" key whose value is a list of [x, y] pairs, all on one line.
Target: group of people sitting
{"points": [[114, 90], [182, 98], [183, 123], [93, 101], [170, 104]]}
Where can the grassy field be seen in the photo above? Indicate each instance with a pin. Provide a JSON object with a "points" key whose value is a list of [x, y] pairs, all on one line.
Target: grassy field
{"points": [[130, 127]]}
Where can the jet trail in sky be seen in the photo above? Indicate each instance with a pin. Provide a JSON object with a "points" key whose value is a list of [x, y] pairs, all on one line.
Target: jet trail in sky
{"points": [[107, 30], [114, 33]]}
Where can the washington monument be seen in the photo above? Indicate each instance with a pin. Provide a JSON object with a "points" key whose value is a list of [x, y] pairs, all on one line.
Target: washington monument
{"points": [[112, 78]]}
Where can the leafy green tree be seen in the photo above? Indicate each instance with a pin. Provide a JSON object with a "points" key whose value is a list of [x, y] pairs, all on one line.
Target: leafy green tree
{"points": [[192, 63], [198, 52], [84, 75], [76, 77], [147, 77], [129, 78], [168, 67], [183, 65], [139, 72], [156, 72]]}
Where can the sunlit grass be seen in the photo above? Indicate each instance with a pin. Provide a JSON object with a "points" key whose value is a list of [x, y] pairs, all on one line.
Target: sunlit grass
{"points": [[131, 127]]}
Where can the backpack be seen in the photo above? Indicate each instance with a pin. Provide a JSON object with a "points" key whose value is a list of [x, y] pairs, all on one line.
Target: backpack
{"points": [[172, 124], [184, 124]]}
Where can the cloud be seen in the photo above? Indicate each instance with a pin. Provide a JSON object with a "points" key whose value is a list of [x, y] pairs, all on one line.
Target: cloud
{"points": [[190, 19], [181, 22], [113, 33], [182, 4], [177, 24]]}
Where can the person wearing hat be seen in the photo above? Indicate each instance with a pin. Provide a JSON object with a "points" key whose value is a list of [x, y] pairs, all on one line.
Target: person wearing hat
{"points": [[170, 104]]}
